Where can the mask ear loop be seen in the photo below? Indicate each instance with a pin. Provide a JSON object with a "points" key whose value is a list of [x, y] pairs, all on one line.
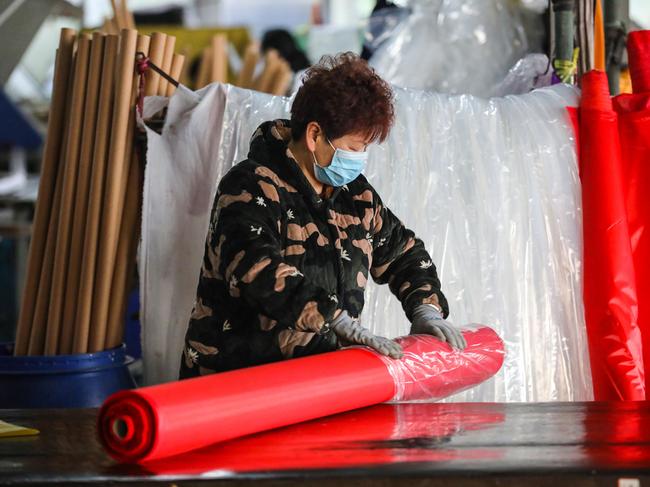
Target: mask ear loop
{"points": [[313, 153]]}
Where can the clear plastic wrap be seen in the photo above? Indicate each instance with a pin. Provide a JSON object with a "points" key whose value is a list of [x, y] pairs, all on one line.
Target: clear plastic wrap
{"points": [[452, 46], [431, 370], [491, 186], [530, 72]]}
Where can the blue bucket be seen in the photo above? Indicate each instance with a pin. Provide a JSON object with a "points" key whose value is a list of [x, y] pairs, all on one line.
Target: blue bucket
{"points": [[62, 381]]}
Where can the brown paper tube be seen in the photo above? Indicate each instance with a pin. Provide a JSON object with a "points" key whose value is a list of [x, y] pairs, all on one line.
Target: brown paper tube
{"points": [[156, 54], [184, 76], [37, 335], [47, 184], [219, 65], [271, 65], [71, 161], [82, 192], [114, 330], [117, 16], [127, 15], [203, 76], [251, 57], [97, 183], [116, 180], [125, 260], [166, 66], [282, 80], [177, 68]]}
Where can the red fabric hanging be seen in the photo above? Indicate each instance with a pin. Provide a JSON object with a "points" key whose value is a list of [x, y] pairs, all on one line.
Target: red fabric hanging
{"points": [[634, 131], [610, 297], [160, 421]]}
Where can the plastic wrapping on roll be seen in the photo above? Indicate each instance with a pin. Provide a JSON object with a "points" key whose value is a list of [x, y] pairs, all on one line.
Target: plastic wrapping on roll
{"points": [[443, 46], [160, 421], [490, 186], [432, 370]]}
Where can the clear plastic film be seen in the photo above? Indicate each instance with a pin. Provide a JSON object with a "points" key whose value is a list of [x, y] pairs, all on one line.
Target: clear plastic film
{"points": [[431, 370], [490, 186], [452, 46]]}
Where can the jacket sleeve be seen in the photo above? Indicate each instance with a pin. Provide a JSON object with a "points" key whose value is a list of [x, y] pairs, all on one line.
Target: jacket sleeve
{"points": [[246, 242], [400, 259]]}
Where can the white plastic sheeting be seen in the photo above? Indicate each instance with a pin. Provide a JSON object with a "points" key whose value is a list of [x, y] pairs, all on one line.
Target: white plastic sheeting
{"points": [[491, 186], [452, 46]]}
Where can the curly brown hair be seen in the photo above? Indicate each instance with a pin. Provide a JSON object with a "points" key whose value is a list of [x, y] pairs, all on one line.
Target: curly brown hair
{"points": [[344, 95]]}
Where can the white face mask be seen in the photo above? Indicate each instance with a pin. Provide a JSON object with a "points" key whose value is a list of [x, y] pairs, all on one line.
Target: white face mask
{"points": [[346, 166]]}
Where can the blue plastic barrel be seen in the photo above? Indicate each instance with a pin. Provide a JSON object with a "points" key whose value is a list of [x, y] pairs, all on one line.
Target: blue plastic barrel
{"points": [[63, 381]]}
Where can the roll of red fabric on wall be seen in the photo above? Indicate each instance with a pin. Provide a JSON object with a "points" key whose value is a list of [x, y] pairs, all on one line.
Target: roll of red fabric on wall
{"points": [[634, 130], [611, 310], [165, 420], [638, 49]]}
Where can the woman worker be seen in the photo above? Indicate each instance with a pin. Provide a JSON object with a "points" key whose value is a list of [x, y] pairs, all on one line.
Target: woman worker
{"points": [[295, 230]]}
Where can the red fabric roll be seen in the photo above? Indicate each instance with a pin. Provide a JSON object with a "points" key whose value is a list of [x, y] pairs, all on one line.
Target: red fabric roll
{"points": [[634, 131], [610, 287], [638, 50], [160, 421]]}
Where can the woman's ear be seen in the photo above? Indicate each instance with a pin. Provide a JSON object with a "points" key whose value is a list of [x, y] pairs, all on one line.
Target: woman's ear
{"points": [[312, 131]]}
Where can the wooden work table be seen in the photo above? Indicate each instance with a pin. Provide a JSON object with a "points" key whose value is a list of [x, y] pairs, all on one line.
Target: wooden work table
{"points": [[408, 444]]}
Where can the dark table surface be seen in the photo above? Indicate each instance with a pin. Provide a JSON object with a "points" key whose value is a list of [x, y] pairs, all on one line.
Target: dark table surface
{"points": [[406, 444]]}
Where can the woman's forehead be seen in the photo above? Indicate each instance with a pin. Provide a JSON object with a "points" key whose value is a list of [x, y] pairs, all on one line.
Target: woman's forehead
{"points": [[358, 139]]}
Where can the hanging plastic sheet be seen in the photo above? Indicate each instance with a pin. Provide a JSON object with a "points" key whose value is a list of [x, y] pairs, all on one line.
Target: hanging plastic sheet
{"points": [[610, 289], [491, 186], [160, 421], [452, 46], [634, 130]]}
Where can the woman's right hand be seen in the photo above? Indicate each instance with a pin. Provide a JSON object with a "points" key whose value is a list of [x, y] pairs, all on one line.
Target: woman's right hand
{"points": [[349, 331]]}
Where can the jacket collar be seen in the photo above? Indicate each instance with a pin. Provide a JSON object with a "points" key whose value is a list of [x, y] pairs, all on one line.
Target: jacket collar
{"points": [[269, 147]]}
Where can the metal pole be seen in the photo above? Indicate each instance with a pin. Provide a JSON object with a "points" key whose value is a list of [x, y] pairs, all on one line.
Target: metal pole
{"points": [[563, 15], [616, 18]]}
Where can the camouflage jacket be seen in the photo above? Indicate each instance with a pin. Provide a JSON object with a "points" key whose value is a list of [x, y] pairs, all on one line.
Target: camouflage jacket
{"points": [[280, 261]]}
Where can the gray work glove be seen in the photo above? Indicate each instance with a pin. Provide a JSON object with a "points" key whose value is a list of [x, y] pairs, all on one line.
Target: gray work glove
{"points": [[348, 330], [428, 320]]}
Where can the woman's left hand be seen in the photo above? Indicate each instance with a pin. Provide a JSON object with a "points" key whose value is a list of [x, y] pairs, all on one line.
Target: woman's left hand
{"points": [[427, 320]]}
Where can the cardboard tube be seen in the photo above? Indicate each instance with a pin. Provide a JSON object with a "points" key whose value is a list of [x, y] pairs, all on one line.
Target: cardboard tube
{"points": [[46, 188], [219, 65], [272, 63], [166, 66], [127, 15], [203, 76], [282, 81], [251, 57], [117, 16], [71, 161], [156, 54], [117, 177], [177, 68], [184, 76], [95, 202], [37, 335], [127, 226], [81, 196], [125, 261]]}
